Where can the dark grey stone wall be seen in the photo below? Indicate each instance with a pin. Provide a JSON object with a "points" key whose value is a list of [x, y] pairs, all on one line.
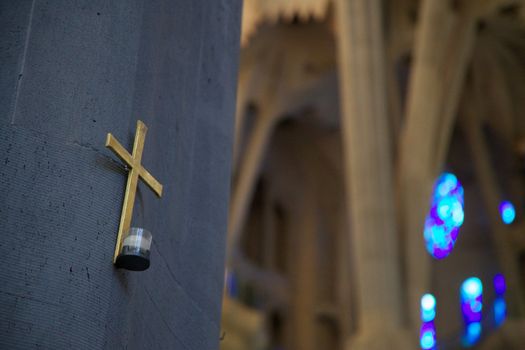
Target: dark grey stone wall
{"points": [[71, 71]]}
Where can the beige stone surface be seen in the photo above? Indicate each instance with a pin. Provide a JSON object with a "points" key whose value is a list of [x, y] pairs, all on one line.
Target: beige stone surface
{"points": [[257, 11], [242, 327], [511, 336], [369, 175]]}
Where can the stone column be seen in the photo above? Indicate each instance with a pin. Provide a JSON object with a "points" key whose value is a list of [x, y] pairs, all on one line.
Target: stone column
{"points": [[248, 175], [442, 50], [369, 175], [303, 230]]}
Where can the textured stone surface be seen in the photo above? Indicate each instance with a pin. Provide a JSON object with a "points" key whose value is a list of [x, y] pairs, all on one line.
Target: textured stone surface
{"points": [[71, 72]]}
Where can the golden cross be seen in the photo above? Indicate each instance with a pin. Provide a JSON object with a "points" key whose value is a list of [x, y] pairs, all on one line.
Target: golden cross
{"points": [[136, 171]]}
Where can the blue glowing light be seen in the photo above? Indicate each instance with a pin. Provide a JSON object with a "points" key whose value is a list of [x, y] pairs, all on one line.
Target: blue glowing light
{"points": [[472, 299], [472, 334], [446, 184], [499, 284], [507, 211], [445, 217], [428, 308], [500, 306], [232, 289], [500, 311], [427, 338]]}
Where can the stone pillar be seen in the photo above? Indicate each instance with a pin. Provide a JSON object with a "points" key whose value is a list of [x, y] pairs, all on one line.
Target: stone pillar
{"points": [[243, 327], [248, 175], [369, 175], [303, 230], [72, 72], [442, 50]]}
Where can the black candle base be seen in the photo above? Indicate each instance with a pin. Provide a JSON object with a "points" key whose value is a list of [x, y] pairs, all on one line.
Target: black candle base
{"points": [[133, 259]]}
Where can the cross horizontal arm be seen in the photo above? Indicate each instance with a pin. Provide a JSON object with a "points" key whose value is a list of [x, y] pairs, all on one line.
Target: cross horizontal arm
{"points": [[151, 182], [120, 151]]}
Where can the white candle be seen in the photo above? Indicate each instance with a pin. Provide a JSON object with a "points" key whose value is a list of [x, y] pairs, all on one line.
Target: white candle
{"points": [[137, 241]]}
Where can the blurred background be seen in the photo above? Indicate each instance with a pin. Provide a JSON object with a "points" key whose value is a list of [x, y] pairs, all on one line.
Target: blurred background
{"points": [[379, 165]]}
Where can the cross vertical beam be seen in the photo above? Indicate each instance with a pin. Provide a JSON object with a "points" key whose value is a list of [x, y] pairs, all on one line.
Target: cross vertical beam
{"points": [[133, 161]]}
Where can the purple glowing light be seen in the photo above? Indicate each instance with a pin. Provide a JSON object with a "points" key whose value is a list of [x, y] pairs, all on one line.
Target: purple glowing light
{"points": [[500, 306], [445, 217], [499, 284]]}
